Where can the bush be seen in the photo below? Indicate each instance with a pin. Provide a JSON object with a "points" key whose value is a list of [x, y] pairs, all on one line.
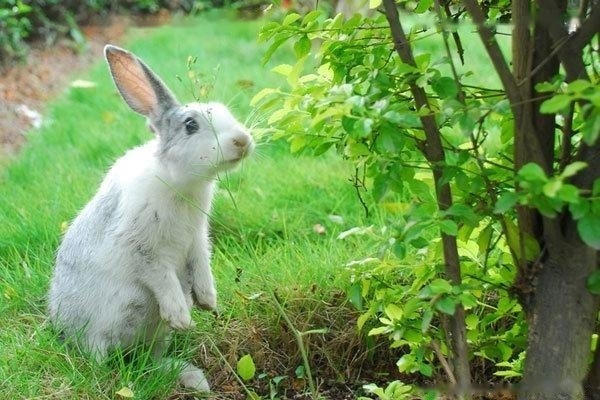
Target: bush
{"points": [[21, 21], [14, 28]]}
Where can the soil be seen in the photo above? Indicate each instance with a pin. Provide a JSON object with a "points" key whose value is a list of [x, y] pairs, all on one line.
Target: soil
{"points": [[25, 87]]}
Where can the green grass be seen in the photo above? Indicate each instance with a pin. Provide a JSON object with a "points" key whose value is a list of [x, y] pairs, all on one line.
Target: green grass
{"points": [[263, 220]]}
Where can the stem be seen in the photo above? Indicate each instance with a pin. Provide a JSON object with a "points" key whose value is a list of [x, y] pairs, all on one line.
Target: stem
{"points": [[248, 392], [443, 361], [301, 346], [593, 377]]}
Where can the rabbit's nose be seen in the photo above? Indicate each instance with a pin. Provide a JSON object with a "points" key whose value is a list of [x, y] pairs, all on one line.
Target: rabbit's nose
{"points": [[241, 141]]}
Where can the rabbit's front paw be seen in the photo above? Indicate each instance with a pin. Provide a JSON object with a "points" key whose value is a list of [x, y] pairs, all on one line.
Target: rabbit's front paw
{"points": [[177, 315], [206, 298]]}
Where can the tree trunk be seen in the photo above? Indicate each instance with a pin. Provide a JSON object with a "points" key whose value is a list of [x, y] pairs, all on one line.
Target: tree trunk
{"points": [[593, 378], [562, 313], [562, 320]]}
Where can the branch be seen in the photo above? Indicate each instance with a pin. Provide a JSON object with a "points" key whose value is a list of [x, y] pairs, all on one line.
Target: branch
{"points": [[591, 156], [551, 17], [438, 352], [459, 47], [494, 52], [589, 28], [567, 144]]}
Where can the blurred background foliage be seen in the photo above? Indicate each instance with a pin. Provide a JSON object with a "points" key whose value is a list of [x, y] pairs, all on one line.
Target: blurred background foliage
{"points": [[24, 21]]}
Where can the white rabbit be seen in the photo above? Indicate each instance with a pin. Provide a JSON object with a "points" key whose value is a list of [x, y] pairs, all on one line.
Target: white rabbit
{"points": [[131, 261]]}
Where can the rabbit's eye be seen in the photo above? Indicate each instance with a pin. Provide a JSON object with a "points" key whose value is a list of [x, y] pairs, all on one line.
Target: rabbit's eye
{"points": [[191, 125]]}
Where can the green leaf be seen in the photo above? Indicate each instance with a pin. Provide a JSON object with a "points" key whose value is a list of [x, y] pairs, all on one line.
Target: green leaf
{"points": [[422, 61], [508, 374], [552, 187], [484, 239], [596, 188], [379, 331], [277, 42], [357, 150], [463, 213], [572, 169], [569, 193], [471, 321], [426, 321], [505, 202], [362, 319], [405, 363], [580, 209], [393, 311], [290, 19], [547, 86], [283, 69], [532, 247], [311, 16], [468, 300], [548, 206], [439, 286], [420, 189], [532, 172], [555, 104], [354, 295], [448, 227], [423, 6], [302, 46], [591, 127], [589, 230], [374, 3], [299, 371], [261, 95], [425, 369], [445, 87], [252, 395], [578, 86], [446, 305], [389, 139], [406, 119], [348, 124], [364, 127], [593, 282], [381, 185], [246, 368]]}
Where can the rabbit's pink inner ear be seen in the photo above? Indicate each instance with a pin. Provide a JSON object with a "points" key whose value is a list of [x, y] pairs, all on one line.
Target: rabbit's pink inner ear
{"points": [[132, 82]]}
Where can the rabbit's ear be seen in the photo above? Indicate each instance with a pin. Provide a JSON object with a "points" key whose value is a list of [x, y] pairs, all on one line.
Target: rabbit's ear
{"points": [[141, 88]]}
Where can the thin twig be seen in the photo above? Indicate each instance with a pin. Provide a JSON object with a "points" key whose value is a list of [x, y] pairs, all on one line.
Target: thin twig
{"points": [[447, 369], [301, 346]]}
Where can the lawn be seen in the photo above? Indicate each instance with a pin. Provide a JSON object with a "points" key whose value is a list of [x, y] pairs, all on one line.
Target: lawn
{"points": [[275, 227]]}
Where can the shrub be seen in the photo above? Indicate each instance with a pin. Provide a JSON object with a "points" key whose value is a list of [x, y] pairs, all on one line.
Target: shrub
{"points": [[14, 27], [21, 21]]}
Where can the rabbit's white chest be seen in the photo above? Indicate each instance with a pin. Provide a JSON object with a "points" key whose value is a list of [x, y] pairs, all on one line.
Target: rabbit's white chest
{"points": [[176, 226]]}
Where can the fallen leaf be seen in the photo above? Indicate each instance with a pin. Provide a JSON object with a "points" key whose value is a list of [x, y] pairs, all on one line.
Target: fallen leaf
{"points": [[336, 219], [83, 84], [319, 229], [244, 83], [125, 392]]}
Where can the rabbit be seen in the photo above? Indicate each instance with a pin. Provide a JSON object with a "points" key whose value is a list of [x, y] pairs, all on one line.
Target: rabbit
{"points": [[131, 264]]}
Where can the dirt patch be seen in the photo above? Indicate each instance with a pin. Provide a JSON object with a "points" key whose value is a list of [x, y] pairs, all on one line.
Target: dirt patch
{"points": [[27, 86]]}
